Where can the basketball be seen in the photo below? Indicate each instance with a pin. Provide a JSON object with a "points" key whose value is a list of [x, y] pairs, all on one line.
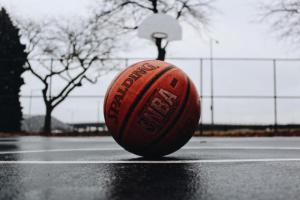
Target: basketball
{"points": [[152, 108]]}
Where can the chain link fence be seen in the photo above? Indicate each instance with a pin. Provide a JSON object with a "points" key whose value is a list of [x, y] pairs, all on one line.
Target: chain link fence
{"points": [[245, 92]]}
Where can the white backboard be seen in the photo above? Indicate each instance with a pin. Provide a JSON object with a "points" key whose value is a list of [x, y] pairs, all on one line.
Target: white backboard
{"points": [[160, 26]]}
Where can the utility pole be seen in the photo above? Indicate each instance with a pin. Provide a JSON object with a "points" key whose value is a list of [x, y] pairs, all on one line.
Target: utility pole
{"points": [[211, 47]]}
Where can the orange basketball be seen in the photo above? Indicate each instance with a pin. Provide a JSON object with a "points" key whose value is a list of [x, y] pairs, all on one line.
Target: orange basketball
{"points": [[152, 108]]}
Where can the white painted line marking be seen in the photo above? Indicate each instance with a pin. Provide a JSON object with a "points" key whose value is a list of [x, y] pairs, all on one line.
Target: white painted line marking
{"points": [[59, 150], [38, 139], [120, 149], [154, 162], [244, 148]]}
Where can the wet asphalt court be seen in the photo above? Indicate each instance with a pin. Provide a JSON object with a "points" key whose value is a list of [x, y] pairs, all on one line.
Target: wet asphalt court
{"points": [[97, 168]]}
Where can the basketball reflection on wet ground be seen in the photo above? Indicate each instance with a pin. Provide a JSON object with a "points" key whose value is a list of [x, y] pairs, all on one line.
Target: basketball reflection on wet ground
{"points": [[96, 168]]}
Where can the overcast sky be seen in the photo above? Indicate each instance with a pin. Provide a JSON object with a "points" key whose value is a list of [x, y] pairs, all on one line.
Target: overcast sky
{"points": [[239, 34], [233, 24]]}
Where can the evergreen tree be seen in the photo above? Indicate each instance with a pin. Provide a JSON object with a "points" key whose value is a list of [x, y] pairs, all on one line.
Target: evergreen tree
{"points": [[12, 60]]}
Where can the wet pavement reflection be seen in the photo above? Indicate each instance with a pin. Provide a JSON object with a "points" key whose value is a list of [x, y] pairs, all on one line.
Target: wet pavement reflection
{"points": [[143, 181], [160, 181]]}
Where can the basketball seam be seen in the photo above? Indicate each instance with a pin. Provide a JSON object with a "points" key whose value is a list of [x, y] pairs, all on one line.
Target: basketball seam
{"points": [[137, 99], [181, 110]]}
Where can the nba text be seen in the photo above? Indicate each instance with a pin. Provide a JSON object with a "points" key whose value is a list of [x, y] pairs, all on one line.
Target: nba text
{"points": [[158, 110]]}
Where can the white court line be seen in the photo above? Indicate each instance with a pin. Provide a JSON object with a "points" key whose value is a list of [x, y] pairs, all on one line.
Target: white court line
{"points": [[244, 148], [59, 150], [120, 149], [153, 162], [58, 140]]}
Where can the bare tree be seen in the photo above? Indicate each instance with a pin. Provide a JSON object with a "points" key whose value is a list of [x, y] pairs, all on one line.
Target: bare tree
{"points": [[284, 17], [130, 14], [69, 53]]}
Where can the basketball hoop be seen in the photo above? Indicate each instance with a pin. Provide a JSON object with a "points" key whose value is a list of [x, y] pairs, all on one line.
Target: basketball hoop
{"points": [[160, 26], [159, 35]]}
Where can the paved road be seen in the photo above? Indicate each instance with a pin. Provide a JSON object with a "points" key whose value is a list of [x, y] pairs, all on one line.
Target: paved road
{"points": [[97, 168]]}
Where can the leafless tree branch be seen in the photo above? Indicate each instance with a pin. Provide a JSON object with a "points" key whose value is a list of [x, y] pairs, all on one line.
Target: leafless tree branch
{"points": [[67, 51], [128, 14], [284, 19]]}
